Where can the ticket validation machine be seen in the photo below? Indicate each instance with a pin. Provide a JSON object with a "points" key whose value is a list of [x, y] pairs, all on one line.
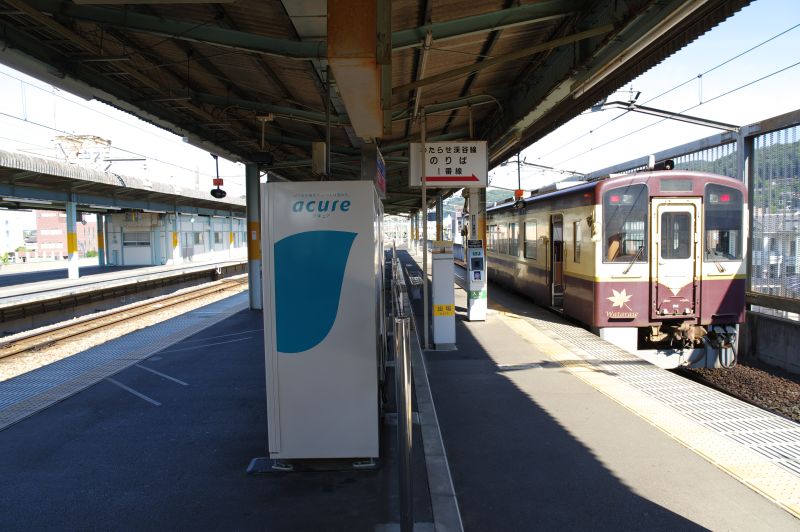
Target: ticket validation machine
{"points": [[476, 281]]}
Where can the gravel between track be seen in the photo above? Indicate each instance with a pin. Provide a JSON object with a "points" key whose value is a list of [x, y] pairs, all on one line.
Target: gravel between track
{"points": [[766, 386]]}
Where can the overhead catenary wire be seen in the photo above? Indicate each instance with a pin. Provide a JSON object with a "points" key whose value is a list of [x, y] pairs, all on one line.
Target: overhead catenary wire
{"points": [[683, 111], [671, 89]]}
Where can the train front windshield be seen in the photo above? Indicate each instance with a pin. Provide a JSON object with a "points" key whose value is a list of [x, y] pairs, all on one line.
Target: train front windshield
{"points": [[723, 223], [625, 224]]}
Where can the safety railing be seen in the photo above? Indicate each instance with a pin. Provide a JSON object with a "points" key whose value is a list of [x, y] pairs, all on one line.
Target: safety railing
{"points": [[402, 365]]}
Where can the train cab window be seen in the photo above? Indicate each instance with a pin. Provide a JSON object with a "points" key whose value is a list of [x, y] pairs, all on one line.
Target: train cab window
{"points": [[625, 224], [530, 240], [513, 241], [676, 235], [723, 223]]}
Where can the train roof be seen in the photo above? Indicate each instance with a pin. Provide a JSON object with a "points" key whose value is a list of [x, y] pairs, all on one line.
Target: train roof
{"points": [[554, 190]]}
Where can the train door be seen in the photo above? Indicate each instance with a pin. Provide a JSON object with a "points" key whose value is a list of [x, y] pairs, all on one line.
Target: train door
{"points": [[674, 265], [556, 273]]}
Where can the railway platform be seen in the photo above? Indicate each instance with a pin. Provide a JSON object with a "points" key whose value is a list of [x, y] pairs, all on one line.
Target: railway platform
{"points": [[548, 427], [543, 427], [156, 430]]}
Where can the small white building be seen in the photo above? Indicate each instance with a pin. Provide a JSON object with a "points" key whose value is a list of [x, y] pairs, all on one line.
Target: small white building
{"points": [[143, 238]]}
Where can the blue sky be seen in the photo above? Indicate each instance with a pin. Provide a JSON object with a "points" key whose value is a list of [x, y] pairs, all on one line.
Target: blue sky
{"points": [[584, 144]]}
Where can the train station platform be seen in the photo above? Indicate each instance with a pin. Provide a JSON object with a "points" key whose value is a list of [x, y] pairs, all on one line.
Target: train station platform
{"points": [[542, 427], [156, 430], [548, 427]]}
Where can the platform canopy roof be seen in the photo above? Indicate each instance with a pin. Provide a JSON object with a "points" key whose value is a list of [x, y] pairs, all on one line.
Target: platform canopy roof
{"points": [[248, 79], [28, 182]]}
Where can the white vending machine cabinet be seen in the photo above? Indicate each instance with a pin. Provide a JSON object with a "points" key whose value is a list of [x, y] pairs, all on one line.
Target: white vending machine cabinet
{"points": [[443, 304], [322, 268], [476, 281]]}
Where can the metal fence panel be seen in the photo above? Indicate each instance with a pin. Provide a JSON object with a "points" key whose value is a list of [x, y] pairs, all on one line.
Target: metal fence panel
{"points": [[776, 213]]}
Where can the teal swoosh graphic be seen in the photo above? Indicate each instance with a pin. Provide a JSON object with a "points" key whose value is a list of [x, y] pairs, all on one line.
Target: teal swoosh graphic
{"points": [[309, 270]]}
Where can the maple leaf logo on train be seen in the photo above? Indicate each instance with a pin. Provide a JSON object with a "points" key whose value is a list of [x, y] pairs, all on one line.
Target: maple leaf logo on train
{"points": [[619, 299]]}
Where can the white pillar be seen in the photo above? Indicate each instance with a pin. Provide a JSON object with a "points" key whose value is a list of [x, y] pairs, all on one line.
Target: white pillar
{"points": [[253, 235], [72, 241], [176, 244]]}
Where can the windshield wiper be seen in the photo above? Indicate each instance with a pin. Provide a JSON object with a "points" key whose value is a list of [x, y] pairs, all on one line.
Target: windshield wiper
{"points": [[635, 257], [711, 255]]}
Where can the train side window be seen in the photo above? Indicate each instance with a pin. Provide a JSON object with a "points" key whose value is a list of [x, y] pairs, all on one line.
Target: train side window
{"points": [[513, 241], [723, 223], [625, 224], [491, 245], [502, 238], [576, 241], [530, 240]]}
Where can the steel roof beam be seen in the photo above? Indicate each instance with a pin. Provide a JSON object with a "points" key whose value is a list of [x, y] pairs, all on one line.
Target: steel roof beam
{"points": [[204, 33], [497, 20], [290, 113], [188, 31], [488, 63]]}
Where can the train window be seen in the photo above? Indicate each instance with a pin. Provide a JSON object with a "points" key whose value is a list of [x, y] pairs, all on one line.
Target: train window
{"points": [[723, 223], [502, 238], [625, 224], [576, 241], [513, 241], [530, 240], [676, 235]]}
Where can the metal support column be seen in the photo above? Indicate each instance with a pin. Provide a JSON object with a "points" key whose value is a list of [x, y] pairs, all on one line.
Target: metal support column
{"points": [[439, 218], [745, 154], [101, 240], [72, 239], [176, 250], [423, 179], [253, 235], [231, 238]]}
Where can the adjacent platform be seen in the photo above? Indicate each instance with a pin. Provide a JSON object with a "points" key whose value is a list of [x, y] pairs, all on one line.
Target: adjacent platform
{"points": [[29, 300]]}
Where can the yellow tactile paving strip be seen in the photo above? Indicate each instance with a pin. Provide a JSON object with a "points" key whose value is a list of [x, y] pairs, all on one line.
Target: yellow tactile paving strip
{"points": [[744, 464]]}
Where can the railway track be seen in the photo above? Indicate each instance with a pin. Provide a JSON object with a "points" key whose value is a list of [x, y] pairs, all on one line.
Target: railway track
{"points": [[52, 336]]}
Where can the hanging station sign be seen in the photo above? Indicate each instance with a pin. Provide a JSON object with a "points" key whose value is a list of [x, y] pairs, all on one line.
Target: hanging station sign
{"points": [[449, 164]]}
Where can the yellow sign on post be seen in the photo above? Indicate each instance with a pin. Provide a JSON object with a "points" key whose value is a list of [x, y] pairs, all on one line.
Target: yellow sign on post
{"points": [[444, 310]]}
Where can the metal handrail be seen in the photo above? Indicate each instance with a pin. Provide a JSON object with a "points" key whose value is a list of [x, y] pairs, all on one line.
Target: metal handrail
{"points": [[402, 365]]}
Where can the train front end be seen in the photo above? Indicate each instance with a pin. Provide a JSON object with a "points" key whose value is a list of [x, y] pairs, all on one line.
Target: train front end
{"points": [[671, 273]]}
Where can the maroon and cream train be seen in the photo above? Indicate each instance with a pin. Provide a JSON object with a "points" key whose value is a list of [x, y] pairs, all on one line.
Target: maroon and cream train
{"points": [[652, 261]]}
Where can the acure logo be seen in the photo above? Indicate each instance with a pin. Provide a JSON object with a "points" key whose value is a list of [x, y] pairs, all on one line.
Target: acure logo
{"points": [[321, 206]]}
